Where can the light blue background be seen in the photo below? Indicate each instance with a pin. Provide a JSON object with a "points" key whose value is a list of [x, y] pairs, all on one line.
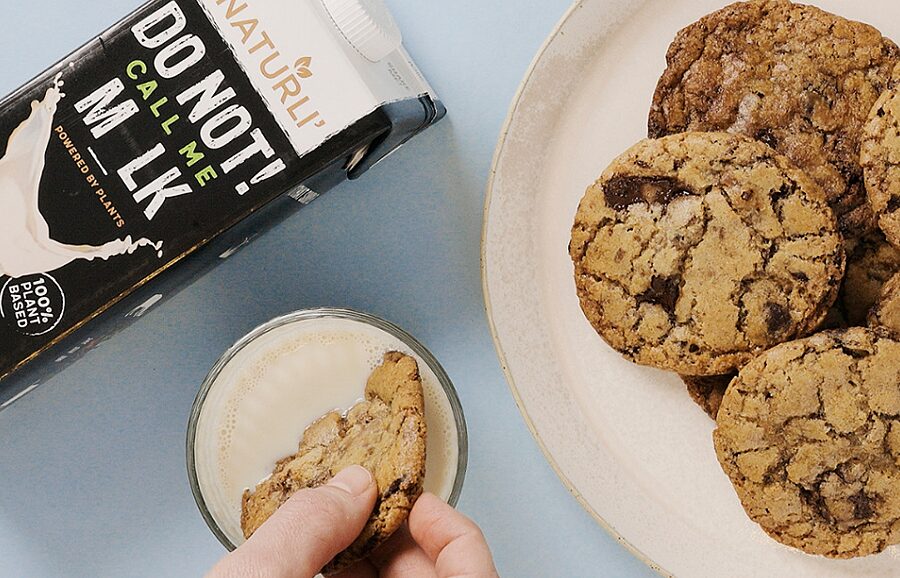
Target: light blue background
{"points": [[92, 464]]}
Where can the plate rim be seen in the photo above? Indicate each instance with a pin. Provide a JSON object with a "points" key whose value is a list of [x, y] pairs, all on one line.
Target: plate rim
{"points": [[486, 295]]}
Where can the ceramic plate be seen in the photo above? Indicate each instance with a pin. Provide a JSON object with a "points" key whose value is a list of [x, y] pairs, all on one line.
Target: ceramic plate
{"points": [[626, 440]]}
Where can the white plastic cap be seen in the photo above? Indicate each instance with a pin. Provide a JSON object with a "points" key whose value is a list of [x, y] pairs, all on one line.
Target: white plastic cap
{"points": [[367, 25]]}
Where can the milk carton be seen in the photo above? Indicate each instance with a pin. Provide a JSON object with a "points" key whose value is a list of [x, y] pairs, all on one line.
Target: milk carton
{"points": [[168, 133]]}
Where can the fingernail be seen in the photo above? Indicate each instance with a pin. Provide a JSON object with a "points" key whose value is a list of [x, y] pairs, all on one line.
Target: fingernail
{"points": [[355, 480]]}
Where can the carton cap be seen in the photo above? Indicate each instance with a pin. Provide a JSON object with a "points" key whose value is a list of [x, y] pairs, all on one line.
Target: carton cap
{"points": [[367, 25]]}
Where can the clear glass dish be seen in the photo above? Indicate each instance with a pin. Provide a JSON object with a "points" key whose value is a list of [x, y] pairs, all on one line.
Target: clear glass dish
{"points": [[393, 332]]}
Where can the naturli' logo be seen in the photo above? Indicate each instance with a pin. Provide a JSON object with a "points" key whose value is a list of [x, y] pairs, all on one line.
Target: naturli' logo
{"points": [[302, 67], [264, 53]]}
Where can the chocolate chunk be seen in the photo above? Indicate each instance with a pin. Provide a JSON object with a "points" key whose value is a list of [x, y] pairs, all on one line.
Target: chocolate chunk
{"points": [[855, 353], [782, 192], [814, 499], [623, 191], [862, 506], [393, 488], [767, 136], [777, 317], [663, 291], [893, 204]]}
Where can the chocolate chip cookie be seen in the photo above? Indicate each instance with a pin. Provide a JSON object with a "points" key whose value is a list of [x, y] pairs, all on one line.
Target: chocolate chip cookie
{"points": [[698, 251], [886, 312], [385, 433], [809, 434], [871, 262], [793, 76], [880, 159], [707, 391]]}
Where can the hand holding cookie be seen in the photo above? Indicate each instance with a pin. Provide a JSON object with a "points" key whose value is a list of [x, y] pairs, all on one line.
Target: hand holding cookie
{"points": [[316, 524]]}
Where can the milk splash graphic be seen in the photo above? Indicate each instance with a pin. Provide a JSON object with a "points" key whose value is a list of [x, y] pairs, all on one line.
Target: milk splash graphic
{"points": [[25, 244]]}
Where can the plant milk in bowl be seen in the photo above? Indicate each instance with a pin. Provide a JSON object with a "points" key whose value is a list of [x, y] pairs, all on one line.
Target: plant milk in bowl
{"points": [[262, 395]]}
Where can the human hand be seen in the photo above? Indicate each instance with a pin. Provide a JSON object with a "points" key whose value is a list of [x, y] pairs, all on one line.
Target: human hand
{"points": [[314, 525]]}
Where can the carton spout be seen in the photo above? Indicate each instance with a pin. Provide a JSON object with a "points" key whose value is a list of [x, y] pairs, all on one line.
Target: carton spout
{"points": [[367, 25]]}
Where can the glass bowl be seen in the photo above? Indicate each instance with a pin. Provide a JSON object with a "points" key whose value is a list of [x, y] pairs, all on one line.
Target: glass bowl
{"points": [[216, 416]]}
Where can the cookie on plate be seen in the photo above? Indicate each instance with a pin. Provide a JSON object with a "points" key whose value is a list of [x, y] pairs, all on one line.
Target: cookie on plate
{"points": [[880, 159], [385, 433], [698, 251], [809, 434], [871, 262], [707, 391], [886, 312], [796, 77]]}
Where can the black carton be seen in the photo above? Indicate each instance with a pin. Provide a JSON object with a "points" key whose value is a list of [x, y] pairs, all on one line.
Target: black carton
{"points": [[189, 123]]}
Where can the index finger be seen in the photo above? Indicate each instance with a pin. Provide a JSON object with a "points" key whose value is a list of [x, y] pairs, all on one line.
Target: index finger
{"points": [[454, 542]]}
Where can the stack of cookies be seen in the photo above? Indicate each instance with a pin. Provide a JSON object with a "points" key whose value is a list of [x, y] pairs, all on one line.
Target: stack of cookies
{"points": [[747, 244]]}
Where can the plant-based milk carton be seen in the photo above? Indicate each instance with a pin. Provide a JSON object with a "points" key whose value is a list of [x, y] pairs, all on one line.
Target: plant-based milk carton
{"points": [[165, 134]]}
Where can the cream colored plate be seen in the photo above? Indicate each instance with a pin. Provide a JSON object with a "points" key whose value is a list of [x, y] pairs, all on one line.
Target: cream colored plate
{"points": [[626, 440]]}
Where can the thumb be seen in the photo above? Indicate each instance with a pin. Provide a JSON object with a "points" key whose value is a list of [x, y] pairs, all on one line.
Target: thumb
{"points": [[307, 531]]}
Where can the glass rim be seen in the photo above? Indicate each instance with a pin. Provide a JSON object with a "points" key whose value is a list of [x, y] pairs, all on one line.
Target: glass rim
{"points": [[307, 315]]}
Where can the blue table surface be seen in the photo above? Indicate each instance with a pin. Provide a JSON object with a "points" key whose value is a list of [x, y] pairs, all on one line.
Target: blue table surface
{"points": [[92, 463]]}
